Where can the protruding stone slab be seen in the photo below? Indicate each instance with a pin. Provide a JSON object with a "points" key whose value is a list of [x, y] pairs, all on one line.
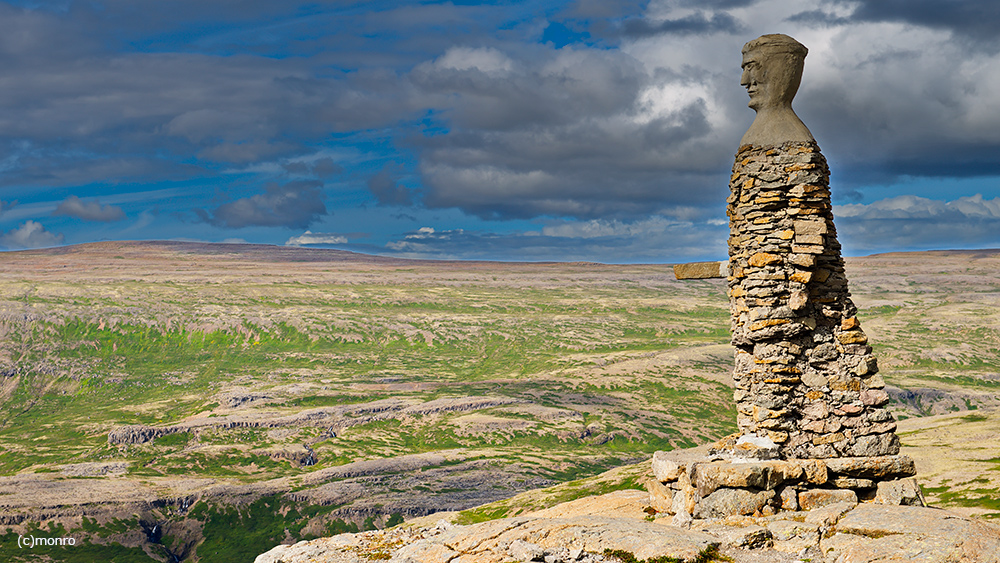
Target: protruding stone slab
{"points": [[701, 270]]}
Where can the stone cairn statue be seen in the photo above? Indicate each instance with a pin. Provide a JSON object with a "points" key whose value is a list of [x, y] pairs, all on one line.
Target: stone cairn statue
{"points": [[805, 376], [813, 428]]}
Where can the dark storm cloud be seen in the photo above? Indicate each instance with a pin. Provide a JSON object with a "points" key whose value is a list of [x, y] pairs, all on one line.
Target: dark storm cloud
{"points": [[174, 108], [294, 205], [321, 167], [598, 170], [818, 17], [387, 190], [913, 109], [164, 112], [975, 19], [717, 4], [604, 9], [699, 23], [557, 133], [73, 206], [487, 88]]}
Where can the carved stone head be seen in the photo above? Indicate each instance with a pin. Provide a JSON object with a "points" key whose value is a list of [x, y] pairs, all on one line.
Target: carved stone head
{"points": [[772, 70]]}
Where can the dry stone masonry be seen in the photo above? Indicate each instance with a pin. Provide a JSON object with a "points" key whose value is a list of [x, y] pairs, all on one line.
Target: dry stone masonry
{"points": [[805, 375], [806, 381]]}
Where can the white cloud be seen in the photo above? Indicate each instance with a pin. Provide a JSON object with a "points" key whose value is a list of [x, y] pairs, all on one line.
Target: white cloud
{"points": [[310, 237], [29, 235], [910, 222], [487, 60], [914, 207]]}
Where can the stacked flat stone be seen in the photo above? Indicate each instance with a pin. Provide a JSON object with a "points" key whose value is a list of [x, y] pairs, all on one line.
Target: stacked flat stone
{"points": [[706, 488], [805, 375]]}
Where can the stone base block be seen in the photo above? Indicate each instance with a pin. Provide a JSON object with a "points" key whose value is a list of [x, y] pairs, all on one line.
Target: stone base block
{"points": [[712, 488], [900, 492], [810, 499]]}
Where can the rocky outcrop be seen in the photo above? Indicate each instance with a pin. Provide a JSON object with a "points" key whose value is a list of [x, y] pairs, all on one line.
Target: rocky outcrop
{"points": [[137, 434], [336, 419], [805, 375], [594, 528]]}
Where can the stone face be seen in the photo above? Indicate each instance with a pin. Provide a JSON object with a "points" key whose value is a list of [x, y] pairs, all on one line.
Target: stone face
{"points": [[772, 70]]}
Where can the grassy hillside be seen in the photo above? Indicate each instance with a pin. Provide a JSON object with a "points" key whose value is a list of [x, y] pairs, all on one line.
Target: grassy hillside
{"points": [[339, 390]]}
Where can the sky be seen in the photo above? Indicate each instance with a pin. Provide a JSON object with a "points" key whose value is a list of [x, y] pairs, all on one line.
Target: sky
{"points": [[594, 130]]}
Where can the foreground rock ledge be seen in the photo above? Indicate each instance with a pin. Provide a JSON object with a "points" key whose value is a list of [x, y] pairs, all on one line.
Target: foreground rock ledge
{"points": [[582, 529]]}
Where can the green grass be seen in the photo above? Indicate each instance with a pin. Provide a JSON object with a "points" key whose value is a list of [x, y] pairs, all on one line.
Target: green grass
{"points": [[97, 355]]}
